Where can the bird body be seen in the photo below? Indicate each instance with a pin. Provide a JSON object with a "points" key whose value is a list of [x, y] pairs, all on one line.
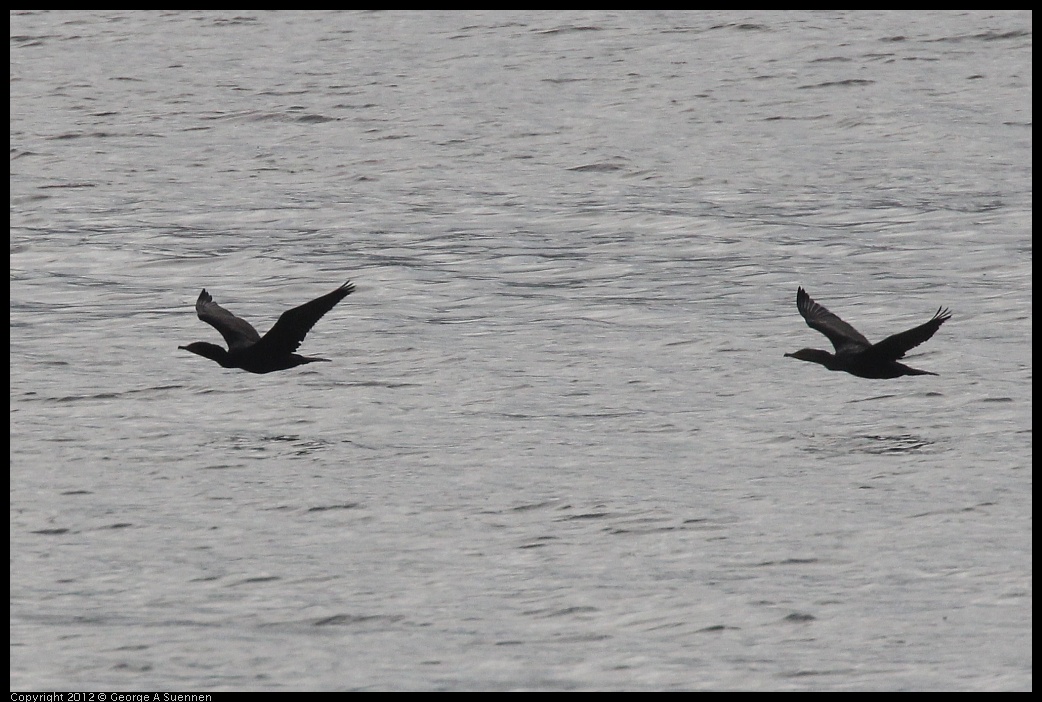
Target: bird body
{"points": [[274, 351], [854, 353]]}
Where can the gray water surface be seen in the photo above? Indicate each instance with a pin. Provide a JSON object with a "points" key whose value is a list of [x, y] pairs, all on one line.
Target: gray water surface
{"points": [[558, 447]]}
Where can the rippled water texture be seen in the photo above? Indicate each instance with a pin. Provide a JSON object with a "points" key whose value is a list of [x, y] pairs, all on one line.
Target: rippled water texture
{"points": [[559, 446]]}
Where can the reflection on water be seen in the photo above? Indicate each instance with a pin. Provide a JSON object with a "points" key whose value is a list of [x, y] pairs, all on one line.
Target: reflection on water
{"points": [[901, 443], [875, 444]]}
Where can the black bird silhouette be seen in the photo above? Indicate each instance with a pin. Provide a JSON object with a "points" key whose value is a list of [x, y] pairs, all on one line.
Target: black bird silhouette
{"points": [[275, 350], [854, 353]]}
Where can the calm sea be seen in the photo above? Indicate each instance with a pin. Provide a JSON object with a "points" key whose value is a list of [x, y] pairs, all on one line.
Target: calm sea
{"points": [[559, 447]]}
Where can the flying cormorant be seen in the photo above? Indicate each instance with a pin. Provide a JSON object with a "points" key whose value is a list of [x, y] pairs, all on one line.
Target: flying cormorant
{"points": [[275, 350], [854, 353]]}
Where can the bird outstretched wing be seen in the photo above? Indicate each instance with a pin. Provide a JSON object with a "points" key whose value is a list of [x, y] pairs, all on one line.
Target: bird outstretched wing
{"points": [[236, 332], [288, 333], [896, 346], [842, 335]]}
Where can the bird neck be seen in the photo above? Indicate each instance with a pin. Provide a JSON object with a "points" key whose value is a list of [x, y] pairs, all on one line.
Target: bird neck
{"points": [[815, 356], [211, 351]]}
